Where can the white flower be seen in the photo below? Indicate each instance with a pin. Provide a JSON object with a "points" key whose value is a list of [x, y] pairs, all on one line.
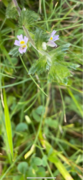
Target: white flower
{"points": [[53, 38], [22, 43]]}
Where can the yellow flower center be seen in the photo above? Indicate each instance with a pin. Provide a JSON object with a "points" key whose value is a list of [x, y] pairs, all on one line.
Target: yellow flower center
{"points": [[22, 42], [51, 38], [23, 46]]}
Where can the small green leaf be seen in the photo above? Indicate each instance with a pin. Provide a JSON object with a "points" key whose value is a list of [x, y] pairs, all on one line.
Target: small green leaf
{"points": [[11, 11], [27, 18], [22, 167], [21, 127], [51, 123], [14, 61], [36, 161], [70, 65], [40, 110], [37, 113], [14, 52], [74, 66], [31, 172], [65, 47], [19, 32], [41, 172], [59, 73], [40, 37], [35, 116], [44, 161], [38, 66], [17, 177]]}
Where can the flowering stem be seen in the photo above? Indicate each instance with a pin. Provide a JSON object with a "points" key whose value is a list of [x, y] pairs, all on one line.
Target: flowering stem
{"points": [[27, 33], [33, 44]]}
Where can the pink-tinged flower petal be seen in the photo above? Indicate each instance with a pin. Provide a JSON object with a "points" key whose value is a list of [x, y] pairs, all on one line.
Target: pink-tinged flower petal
{"points": [[25, 39], [24, 50], [53, 32], [51, 44], [21, 50], [17, 43], [55, 37], [20, 37]]}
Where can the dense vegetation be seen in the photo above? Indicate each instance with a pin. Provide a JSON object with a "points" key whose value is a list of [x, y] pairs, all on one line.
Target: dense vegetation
{"points": [[41, 89]]}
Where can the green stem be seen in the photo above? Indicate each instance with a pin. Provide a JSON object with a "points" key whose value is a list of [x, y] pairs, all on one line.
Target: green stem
{"points": [[32, 77]]}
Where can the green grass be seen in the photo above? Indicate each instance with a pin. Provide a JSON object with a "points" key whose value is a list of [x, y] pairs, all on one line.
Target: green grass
{"points": [[41, 97]]}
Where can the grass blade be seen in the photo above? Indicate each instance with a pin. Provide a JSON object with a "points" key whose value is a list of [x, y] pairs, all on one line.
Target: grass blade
{"points": [[8, 127], [52, 156], [75, 101]]}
